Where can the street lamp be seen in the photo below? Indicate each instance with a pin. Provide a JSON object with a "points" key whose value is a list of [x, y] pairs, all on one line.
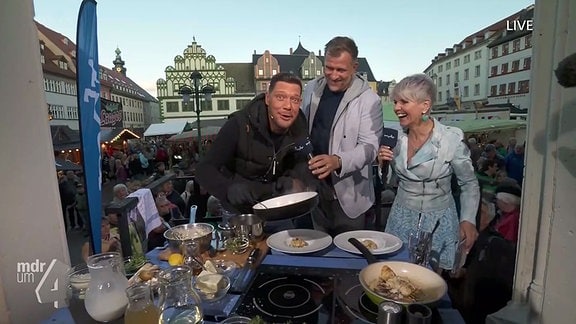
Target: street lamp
{"points": [[187, 91]]}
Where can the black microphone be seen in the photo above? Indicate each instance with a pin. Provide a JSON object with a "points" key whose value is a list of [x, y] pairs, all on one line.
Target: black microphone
{"points": [[389, 138], [304, 146]]}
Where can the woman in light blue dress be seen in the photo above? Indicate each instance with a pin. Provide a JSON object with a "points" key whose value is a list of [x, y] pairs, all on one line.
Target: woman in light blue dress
{"points": [[425, 158]]}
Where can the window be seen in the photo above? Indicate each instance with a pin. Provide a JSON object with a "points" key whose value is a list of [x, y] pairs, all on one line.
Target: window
{"points": [[477, 54], [260, 72], [527, 62], [172, 106], [494, 51], [264, 86], [477, 89], [504, 68], [447, 94], [505, 49], [206, 105], [502, 90], [465, 93], [493, 71], [467, 58], [306, 73], [456, 62], [241, 103], [477, 71], [439, 95], [42, 60], [456, 76], [515, 65], [448, 79], [223, 105], [466, 74], [511, 87], [448, 65], [523, 86], [516, 45], [493, 91], [274, 72], [440, 81], [440, 68], [187, 106], [528, 41]]}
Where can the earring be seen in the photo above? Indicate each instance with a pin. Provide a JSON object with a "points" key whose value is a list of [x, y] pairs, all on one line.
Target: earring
{"points": [[425, 117], [271, 117]]}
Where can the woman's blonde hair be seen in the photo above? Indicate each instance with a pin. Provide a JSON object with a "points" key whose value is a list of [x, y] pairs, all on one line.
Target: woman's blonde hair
{"points": [[416, 87]]}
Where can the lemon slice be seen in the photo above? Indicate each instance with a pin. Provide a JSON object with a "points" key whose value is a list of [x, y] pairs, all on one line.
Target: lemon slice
{"points": [[175, 259]]}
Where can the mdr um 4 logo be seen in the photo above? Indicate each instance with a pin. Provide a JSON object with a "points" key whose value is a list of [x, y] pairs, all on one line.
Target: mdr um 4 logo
{"points": [[50, 280]]}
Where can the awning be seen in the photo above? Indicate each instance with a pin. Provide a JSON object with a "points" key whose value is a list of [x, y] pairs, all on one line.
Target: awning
{"points": [[113, 134], [485, 125], [65, 165], [168, 128], [193, 134]]}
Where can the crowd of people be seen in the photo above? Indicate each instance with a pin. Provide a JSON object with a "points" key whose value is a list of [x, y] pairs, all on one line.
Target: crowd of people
{"points": [[466, 191]]}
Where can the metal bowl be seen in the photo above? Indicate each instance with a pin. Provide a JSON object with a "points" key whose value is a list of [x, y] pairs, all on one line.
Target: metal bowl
{"points": [[248, 225], [200, 233]]}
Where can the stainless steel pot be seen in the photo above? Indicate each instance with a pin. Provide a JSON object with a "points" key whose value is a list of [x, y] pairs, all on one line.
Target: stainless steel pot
{"points": [[200, 233], [249, 225]]}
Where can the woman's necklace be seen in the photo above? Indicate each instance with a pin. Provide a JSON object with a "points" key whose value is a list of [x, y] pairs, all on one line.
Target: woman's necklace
{"points": [[415, 148]]}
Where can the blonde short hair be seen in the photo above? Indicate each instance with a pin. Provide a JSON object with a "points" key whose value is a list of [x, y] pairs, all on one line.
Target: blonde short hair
{"points": [[417, 87]]}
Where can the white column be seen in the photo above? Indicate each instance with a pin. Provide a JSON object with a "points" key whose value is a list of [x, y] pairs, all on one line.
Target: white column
{"points": [[32, 223], [547, 255]]}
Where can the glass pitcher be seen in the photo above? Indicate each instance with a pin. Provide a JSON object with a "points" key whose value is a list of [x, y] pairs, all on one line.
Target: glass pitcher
{"points": [[178, 301], [105, 298], [141, 308]]}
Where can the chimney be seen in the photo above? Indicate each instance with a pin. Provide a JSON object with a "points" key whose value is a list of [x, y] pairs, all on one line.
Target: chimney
{"points": [[254, 52], [291, 50], [319, 52]]}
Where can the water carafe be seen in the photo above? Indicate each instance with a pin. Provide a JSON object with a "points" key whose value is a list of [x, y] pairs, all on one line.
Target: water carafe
{"points": [[178, 301], [141, 308], [106, 298]]}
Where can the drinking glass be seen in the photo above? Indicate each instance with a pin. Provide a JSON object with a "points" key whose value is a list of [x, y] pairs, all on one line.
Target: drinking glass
{"points": [[178, 301], [419, 247]]}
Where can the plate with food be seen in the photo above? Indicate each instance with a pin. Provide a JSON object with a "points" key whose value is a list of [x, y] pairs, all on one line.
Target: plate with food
{"points": [[376, 242], [298, 241]]}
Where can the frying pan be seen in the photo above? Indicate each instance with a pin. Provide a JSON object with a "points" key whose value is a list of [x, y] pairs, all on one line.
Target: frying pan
{"points": [[432, 286], [286, 206]]}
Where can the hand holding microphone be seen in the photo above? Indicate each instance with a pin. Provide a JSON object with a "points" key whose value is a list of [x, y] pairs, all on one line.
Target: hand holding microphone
{"points": [[321, 165], [387, 143]]}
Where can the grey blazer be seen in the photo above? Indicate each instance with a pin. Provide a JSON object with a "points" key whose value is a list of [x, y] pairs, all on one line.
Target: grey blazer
{"points": [[355, 136]]}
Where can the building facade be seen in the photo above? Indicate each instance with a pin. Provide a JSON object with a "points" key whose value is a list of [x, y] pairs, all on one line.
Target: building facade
{"points": [[301, 62], [510, 66], [461, 72], [58, 54], [232, 92]]}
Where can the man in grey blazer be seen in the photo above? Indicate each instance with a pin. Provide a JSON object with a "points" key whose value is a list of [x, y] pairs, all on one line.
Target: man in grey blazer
{"points": [[345, 122]]}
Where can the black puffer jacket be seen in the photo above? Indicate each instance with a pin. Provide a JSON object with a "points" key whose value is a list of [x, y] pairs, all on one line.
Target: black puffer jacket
{"points": [[246, 150]]}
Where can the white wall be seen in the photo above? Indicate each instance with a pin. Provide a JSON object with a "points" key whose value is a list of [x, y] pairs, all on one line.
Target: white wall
{"points": [[547, 257], [32, 224]]}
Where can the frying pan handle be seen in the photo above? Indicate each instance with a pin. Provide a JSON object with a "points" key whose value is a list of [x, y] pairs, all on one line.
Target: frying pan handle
{"points": [[363, 249]]}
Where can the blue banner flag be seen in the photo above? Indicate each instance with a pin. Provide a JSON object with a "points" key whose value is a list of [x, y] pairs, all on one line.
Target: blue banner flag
{"points": [[88, 86]]}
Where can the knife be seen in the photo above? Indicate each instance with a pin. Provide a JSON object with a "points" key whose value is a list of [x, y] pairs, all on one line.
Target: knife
{"points": [[246, 273]]}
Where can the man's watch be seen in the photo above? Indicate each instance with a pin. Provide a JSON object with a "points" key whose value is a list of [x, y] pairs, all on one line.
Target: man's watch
{"points": [[339, 163]]}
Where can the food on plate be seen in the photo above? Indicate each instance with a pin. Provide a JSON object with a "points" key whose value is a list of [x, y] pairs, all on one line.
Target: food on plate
{"points": [[145, 275], [297, 242], [369, 244], [392, 286], [148, 274]]}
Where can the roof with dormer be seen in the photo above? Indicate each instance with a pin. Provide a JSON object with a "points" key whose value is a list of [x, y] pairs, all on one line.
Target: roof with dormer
{"points": [[67, 51]]}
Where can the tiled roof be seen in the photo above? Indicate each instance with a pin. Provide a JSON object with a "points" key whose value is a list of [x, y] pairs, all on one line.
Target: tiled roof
{"points": [[118, 81], [292, 63], [243, 73]]}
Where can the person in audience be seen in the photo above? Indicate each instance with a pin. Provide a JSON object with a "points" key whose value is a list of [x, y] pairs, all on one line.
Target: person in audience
{"points": [[514, 163], [508, 203], [110, 242], [487, 175], [188, 191], [166, 209], [120, 192], [173, 196], [214, 207]]}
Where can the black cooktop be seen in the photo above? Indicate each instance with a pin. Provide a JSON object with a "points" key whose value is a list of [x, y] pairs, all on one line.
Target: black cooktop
{"points": [[282, 294]]}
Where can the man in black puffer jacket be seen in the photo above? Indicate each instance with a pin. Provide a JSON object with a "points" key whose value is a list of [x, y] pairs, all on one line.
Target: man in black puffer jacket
{"points": [[253, 157]]}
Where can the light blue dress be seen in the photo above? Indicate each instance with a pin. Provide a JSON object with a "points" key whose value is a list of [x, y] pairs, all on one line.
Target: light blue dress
{"points": [[424, 191]]}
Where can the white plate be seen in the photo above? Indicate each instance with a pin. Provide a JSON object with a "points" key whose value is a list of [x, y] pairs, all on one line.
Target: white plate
{"points": [[316, 241], [387, 243]]}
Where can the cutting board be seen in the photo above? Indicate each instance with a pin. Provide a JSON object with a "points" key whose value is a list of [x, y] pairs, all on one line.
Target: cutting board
{"points": [[239, 259]]}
